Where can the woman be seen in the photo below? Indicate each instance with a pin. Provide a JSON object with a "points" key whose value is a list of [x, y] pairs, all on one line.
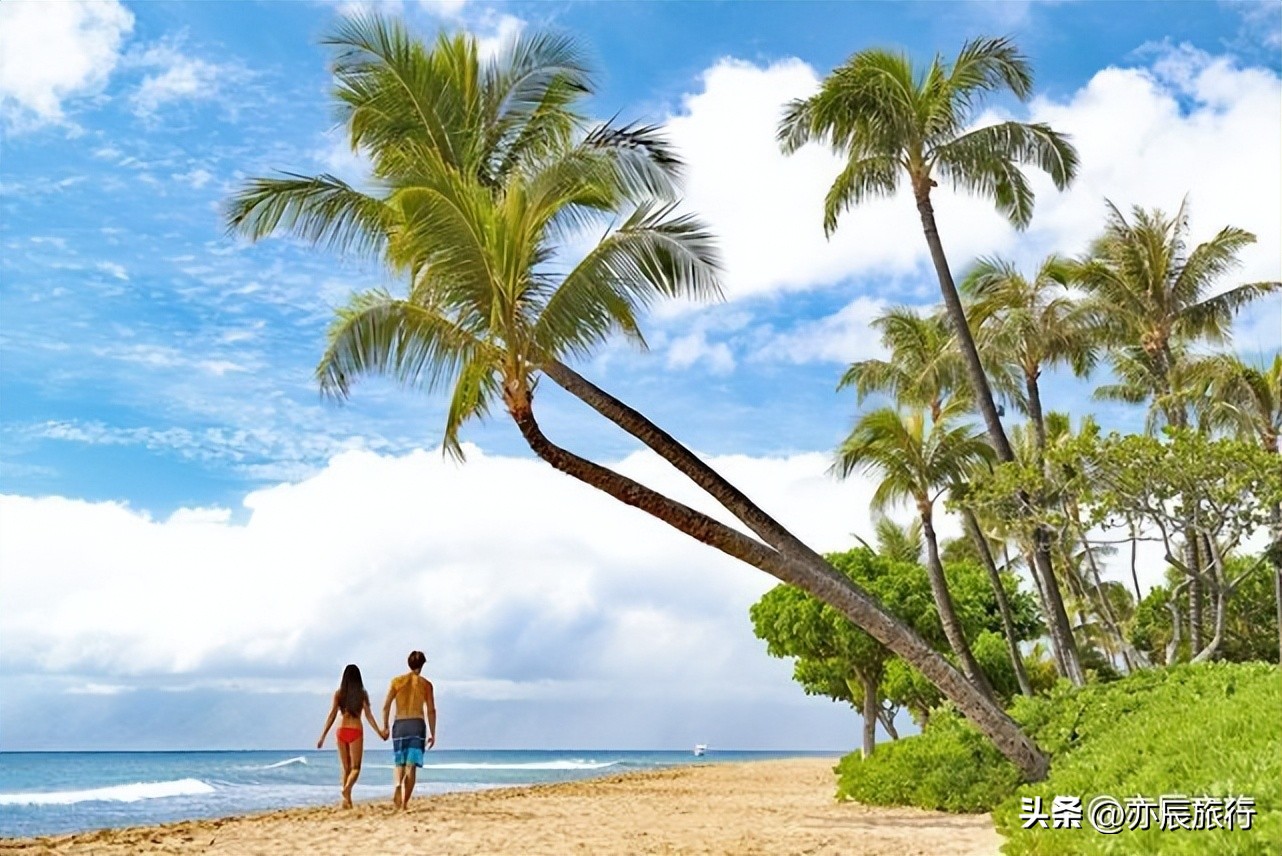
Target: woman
{"points": [[351, 700]]}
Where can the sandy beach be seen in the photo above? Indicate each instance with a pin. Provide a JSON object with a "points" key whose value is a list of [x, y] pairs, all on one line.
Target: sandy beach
{"points": [[766, 807]]}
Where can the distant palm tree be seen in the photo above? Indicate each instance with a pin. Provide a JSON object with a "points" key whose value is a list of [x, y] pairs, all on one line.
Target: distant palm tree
{"points": [[483, 169], [918, 464], [888, 119], [1034, 321], [899, 543], [924, 368], [1151, 293]]}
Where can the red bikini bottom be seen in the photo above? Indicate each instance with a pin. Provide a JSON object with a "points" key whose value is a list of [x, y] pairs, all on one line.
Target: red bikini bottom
{"points": [[349, 735]]}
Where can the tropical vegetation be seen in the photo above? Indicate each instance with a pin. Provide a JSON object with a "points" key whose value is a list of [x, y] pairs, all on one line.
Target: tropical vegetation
{"points": [[487, 172]]}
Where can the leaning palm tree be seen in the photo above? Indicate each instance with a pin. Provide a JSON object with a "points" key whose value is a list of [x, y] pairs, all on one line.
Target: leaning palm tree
{"points": [[483, 169], [888, 119], [918, 464]]}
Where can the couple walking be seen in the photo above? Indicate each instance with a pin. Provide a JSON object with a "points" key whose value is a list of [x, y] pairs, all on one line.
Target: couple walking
{"points": [[413, 731]]}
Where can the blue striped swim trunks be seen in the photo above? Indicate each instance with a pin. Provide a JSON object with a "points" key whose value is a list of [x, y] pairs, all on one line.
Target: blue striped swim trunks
{"points": [[409, 738]]}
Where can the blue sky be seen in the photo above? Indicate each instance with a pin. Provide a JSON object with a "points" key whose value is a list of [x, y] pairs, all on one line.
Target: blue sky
{"points": [[156, 394]]}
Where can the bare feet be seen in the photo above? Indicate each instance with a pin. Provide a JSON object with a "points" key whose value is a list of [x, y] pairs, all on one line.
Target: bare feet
{"points": [[396, 797]]}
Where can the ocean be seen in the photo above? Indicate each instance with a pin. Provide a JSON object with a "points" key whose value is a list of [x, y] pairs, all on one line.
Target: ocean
{"points": [[48, 793]]}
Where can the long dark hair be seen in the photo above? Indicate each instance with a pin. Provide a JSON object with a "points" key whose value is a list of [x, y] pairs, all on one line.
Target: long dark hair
{"points": [[351, 692]]}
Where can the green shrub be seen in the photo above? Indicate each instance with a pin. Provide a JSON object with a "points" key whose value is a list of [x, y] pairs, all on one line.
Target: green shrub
{"points": [[1211, 729], [950, 767], [1205, 730]]}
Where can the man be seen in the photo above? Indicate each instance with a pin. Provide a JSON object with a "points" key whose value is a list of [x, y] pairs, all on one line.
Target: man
{"points": [[410, 734]]}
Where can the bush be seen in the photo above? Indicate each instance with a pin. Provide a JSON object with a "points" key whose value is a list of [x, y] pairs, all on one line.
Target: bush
{"points": [[1197, 730], [950, 767], [1204, 730]]}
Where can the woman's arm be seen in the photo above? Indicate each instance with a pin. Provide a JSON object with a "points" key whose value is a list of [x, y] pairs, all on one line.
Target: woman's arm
{"points": [[369, 715], [333, 712]]}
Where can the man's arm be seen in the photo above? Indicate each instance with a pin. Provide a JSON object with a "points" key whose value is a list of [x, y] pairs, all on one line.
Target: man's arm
{"points": [[429, 702]]}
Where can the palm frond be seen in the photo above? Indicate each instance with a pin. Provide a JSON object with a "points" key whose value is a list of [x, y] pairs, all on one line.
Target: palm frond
{"points": [[319, 209]]}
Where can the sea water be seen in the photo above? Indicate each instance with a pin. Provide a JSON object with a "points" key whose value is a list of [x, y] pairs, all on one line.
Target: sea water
{"points": [[46, 793]]}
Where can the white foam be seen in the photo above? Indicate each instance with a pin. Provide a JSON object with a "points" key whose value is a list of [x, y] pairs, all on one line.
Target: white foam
{"points": [[115, 793], [299, 760], [535, 765]]}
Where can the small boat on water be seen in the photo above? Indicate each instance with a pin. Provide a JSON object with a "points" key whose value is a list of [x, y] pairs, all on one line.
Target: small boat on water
{"points": [[700, 749]]}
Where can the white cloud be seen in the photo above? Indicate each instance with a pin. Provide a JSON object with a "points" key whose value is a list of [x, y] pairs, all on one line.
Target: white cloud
{"points": [[842, 337], [196, 178], [176, 76], [1187, 123], [693, 347], [494, 31], [443, 8], [511, 575], [53, 52], [113, 269]]}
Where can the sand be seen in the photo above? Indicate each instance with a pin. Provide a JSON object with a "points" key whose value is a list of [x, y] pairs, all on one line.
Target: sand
{"points": [[765, 807]]}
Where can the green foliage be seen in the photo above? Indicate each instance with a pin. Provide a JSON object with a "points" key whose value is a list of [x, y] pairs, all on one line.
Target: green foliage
{"points": [[953, 768], [1207, 729], [1251, 622], [1198, 730], [832, 652]]}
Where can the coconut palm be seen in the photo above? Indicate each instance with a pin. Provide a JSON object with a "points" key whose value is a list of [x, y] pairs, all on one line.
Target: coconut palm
{"points": [[917, 463], [1034, 321], [1154, 299], [1151, 293], [483, 170], [888, 119], [924, 369]]}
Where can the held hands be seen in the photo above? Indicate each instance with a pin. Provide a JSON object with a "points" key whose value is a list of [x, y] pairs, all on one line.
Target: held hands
{"points": [[384, 733]]}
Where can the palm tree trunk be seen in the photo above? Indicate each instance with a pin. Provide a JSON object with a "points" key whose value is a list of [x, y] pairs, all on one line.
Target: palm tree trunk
{"points": [[999, 592], [961, 328], [947, 613], [817, 578], [1057, 619], [1035, 415]]}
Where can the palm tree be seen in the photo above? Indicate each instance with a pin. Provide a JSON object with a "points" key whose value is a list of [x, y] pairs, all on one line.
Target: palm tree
{"points": [[483, 169], [898, 543], [1152, 295], [925, 369], [918, 465], [887, 119], [1035, 322]]}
